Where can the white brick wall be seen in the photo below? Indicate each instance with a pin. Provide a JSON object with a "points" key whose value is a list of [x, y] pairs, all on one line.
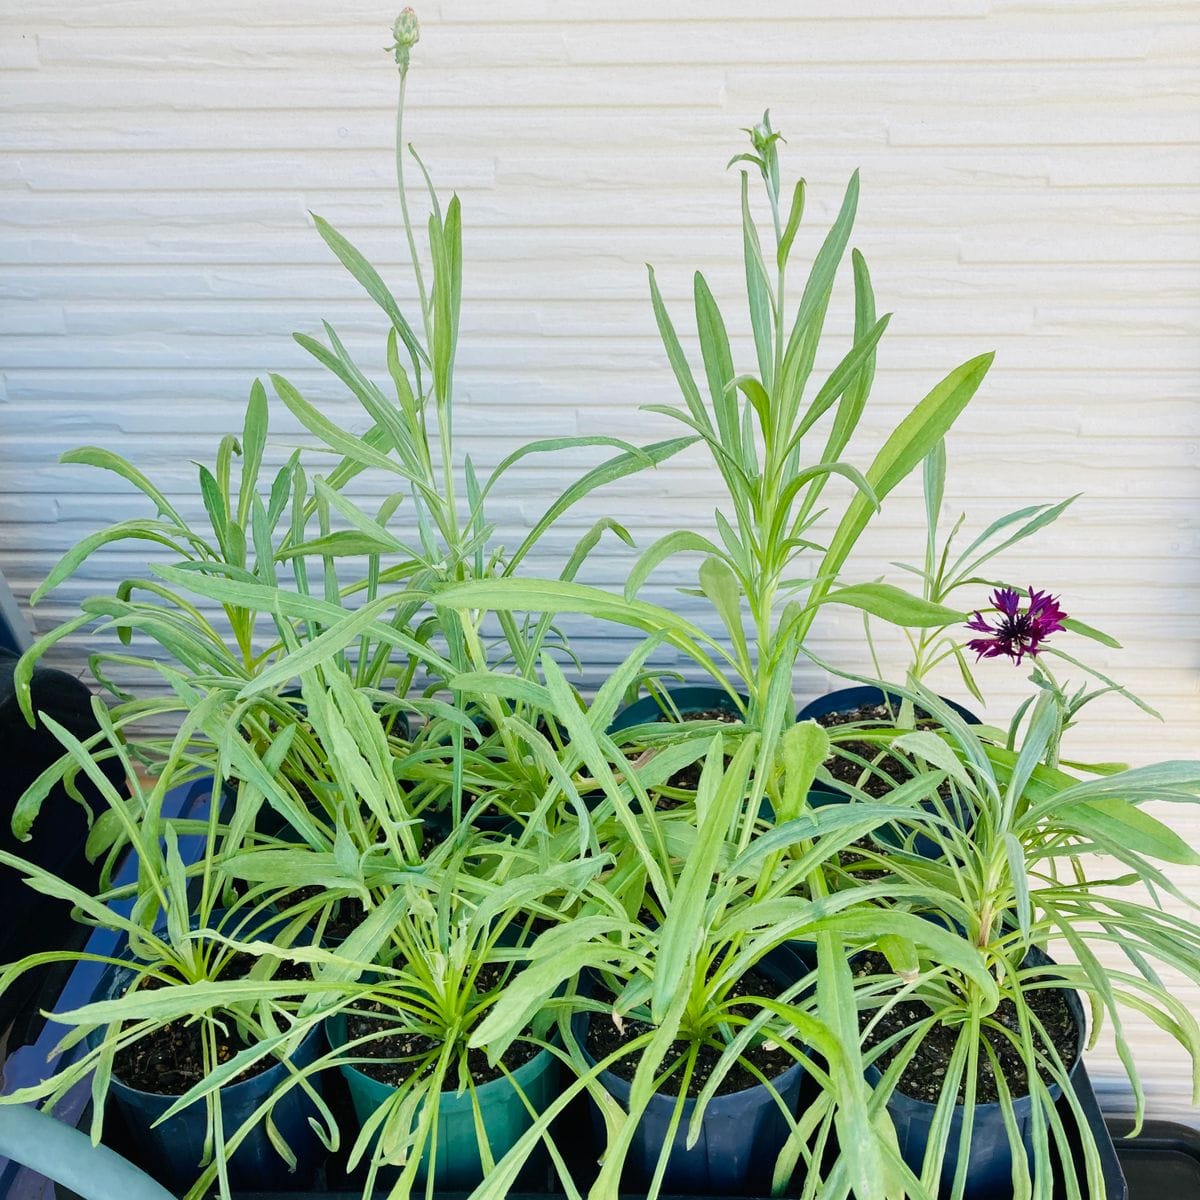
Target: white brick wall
{"points": [[1030, 183]]}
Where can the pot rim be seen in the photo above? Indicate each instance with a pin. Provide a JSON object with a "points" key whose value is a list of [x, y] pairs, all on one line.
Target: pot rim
{"points": [[334, 1025]]}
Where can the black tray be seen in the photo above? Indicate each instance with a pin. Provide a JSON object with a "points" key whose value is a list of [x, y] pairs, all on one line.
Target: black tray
{"points": [[1162, 1162]]}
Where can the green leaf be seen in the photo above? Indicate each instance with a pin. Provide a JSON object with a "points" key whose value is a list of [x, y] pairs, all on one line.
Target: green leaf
{"points": [[94, 456], [514, 594], [926, 744], [901, 954], [723, 789], [607, 472], [552, 446], [374, 286], [254, 441], [1088, 631], [679, 542], [718, 362], [795, 215], [677, 359], [803, 747], [841, 378], [332, 434], [758, 292], [893, 604], [854, 399], [214, 505], [908, 445], [810, 316], [720, 585], [558, 955], [1131, 827], [138, 530]]}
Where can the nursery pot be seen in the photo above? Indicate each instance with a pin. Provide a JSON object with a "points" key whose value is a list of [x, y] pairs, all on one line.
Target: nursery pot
{"points": [[741, 1133], [458, 1164], [695, 698], [990, 1157], [172, 1149], [847, 700]]}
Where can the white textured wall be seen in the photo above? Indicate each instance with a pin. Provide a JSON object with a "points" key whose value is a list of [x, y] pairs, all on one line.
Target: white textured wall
{"points": [[1030, 182]]}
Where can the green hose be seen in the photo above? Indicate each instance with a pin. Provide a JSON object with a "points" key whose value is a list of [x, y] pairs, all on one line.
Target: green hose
{"points": [[65, 1155]]}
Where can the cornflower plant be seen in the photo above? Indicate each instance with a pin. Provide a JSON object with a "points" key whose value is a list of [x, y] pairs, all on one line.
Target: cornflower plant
{"points": [[189, 652], [759, 429], [675, 935], [1029, 870], [413, 993], [195, 969], [411, 439]]}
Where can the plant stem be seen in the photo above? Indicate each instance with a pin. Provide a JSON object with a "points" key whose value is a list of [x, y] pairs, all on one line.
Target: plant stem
{"points": [[408, 232]]}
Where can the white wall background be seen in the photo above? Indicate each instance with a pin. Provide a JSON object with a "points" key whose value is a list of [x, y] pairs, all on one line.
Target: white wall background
{"points": [[1030, 184]]}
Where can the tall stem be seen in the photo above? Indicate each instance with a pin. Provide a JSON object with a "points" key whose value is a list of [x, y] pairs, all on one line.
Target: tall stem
{"points": [[408, 230]]}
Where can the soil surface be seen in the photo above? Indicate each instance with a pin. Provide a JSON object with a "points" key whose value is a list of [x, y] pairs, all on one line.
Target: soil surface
{"points": [[688, 779], [170, 1059], [886, 769], [406, 1045], [604, 1037], [925, 1074]]}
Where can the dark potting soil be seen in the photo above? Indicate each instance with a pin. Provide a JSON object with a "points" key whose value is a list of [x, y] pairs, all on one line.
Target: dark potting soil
{"points": [[924, 1077], [349, 912], [346, 916], [886, 769], [170, 1059], [604, 1037], [688, 779], [405, 1045]]}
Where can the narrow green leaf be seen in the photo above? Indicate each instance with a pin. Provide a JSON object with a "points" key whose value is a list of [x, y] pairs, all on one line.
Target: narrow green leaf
{"points": [[677, 359], [795, 215], [893, 604], [373, 285], [758, 292], [612, 469], [679, 542], [94, 456]]}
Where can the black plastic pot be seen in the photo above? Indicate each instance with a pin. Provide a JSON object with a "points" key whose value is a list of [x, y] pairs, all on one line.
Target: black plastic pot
{"points": [[741, 1134], [695, 698], [990, 1156], [847, 700], [57, 838]]}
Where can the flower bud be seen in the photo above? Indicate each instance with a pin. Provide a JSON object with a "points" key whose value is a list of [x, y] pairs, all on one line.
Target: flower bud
{"points": [[407, 32]]}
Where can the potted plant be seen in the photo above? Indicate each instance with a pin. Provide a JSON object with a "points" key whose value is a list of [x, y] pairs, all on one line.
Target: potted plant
{"points": [[757, 428], [194, 1031], [427, 1107], [1000, 1054]]}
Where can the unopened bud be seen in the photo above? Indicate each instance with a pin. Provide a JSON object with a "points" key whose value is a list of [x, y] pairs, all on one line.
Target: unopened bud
{"points": [[406, 30]]}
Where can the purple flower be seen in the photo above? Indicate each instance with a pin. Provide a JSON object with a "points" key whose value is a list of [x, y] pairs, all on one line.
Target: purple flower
{"points": [[1018, 631]]}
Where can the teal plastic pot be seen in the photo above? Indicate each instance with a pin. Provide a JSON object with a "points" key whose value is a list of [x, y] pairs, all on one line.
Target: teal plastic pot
{"points": [[990, 1153], [741, 1134], [458, 1165], [688, 700], [172, 1150]]}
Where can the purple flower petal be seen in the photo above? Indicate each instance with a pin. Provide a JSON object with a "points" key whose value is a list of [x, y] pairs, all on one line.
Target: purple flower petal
{"points": [[1017, 632]]}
